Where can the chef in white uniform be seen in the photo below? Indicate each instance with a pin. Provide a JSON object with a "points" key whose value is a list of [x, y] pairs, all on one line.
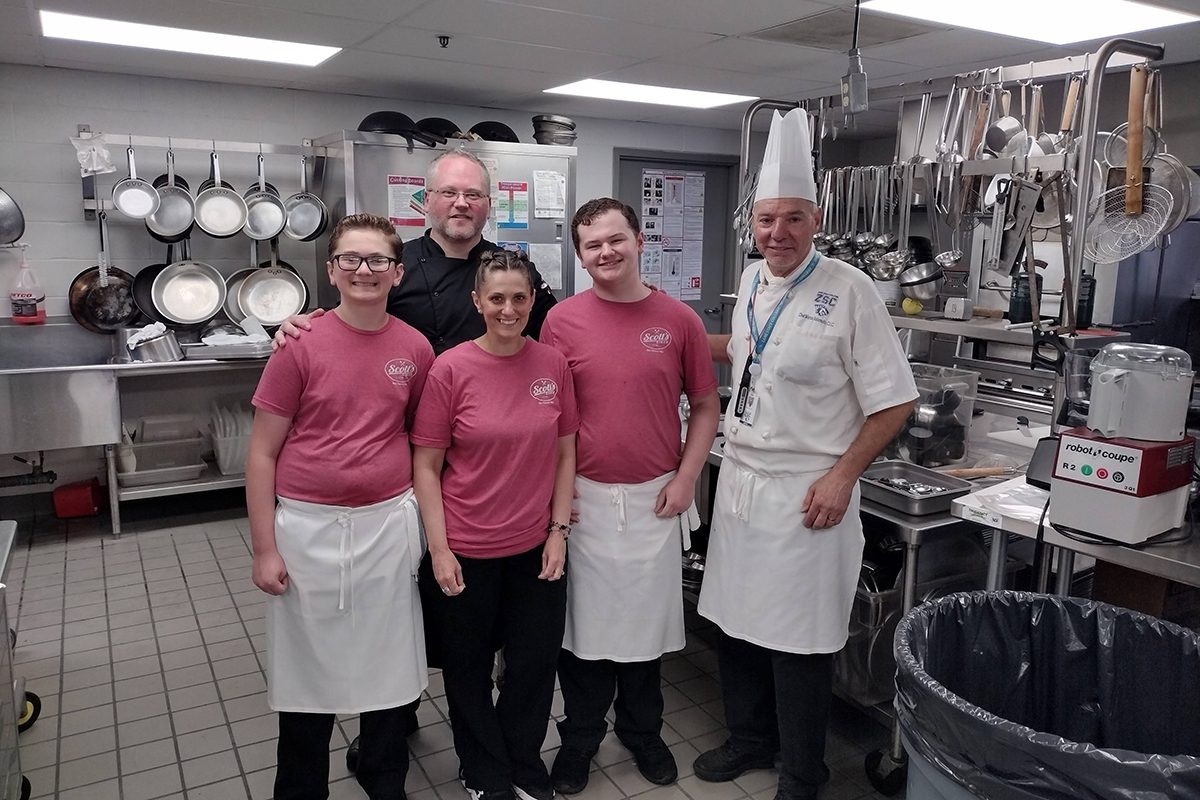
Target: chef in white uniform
{"points": [[821, 386]]}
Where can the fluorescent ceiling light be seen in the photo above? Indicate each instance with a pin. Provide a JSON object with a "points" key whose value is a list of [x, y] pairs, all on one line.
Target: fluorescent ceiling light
{"points": [[642, 93], [181, 40], [1055, 22]]}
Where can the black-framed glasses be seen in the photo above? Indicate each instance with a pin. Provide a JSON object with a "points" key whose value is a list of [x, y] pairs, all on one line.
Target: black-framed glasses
{"points": [[350, 262], [453, 194]]}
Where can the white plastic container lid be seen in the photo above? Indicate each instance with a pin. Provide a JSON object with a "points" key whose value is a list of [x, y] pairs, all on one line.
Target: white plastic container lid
{"points": [[1167, 361]]}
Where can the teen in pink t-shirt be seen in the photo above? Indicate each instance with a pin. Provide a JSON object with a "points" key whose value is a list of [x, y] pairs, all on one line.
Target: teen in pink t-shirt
{"points": [[494, 467], [334, 523]]}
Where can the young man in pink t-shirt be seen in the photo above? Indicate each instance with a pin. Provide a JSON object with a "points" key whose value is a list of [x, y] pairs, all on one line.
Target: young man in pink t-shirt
{"points": [[633, 352], [334, 523]]}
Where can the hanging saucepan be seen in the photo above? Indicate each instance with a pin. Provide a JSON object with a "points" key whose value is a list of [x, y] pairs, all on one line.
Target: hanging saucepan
{"points": [[274, 293], [101, 297], [265, 213], [220, 211], [306, 213], [176, 214], [188, 292], [12, 221], [133, 196], [143, 284]]}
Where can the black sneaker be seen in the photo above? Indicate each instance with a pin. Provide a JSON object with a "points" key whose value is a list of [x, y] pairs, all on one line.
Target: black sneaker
{"points": [[729, 761], [352, 756], [495, 794], [655, 761], [570, 771]]}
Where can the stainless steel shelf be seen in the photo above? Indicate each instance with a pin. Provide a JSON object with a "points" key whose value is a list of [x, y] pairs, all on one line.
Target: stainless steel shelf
{"points": [[210, 480], [992, 330]]}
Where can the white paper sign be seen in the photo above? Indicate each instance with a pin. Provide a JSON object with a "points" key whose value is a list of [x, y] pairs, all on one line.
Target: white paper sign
{"points": [[548, 260], [549, 194]]}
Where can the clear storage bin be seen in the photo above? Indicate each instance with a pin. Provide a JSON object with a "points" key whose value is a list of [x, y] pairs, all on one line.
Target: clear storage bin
{"points": [[161, 462], [937, 431]]}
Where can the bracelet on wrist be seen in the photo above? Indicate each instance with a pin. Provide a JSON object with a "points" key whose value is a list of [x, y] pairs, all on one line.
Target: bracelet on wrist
{"points": [[561, 527]]}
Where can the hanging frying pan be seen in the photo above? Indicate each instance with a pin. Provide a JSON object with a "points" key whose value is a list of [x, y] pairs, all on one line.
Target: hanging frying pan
{"points": [[220, 211], [176, 214], [143, 283], [101, 297], [233, 283], [188, 292], [265, 212], [306, 213], [133, 196], [273, 293], [12, 221]]}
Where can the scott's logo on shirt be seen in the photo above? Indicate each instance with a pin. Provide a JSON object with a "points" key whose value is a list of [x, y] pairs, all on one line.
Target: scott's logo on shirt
{"points": [[656, 339], [543, 390], [400, 371]]}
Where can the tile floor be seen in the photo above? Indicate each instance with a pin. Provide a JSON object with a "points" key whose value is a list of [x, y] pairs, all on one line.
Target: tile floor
{"points": [[147, 653]]}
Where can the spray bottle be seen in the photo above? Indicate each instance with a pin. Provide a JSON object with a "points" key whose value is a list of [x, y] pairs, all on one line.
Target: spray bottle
{"points": [[27, 296]]}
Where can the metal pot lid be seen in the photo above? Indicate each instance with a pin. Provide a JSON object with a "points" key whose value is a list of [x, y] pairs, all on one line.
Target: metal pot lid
{"points": [[272, 294], [189, 292]]}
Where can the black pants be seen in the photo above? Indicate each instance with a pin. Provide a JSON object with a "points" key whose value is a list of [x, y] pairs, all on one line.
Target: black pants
{"points": [[776, 700], [504, 605], [303, 755], [589, 688]]}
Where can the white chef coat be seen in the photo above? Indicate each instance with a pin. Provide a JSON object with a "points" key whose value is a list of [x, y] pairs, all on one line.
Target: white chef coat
{"points": [[347, 635], [625, 577], [832, 360]]}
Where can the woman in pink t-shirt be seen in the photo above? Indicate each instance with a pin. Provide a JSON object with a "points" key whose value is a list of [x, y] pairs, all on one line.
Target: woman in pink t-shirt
{"points": [[334, 524], [493, 469]]}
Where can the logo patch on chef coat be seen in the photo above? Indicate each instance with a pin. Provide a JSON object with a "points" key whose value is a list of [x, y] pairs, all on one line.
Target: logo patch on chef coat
{"points": [[544, 390], [824, 302], [656, 340], [400, 371]]}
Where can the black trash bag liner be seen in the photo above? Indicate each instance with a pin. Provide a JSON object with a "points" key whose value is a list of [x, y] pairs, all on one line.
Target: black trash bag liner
{"points": [[1019, 696]]}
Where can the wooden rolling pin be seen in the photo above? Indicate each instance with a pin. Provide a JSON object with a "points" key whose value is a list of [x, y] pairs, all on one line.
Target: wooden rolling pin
{"points": [[978, 472]]}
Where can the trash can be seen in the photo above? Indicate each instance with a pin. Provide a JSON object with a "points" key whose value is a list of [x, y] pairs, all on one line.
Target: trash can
{"points": [[1017, 696]]}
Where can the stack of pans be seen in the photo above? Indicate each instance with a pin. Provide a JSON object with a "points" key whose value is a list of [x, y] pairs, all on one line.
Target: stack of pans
{"points": [[552, 129]]}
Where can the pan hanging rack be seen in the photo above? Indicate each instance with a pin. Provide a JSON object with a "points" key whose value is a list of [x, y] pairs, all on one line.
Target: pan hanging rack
{"points": [[92, 203]]}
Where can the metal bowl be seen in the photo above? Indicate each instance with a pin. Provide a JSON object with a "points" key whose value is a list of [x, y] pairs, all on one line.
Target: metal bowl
{"points": [[188, 292], [922, 282]]}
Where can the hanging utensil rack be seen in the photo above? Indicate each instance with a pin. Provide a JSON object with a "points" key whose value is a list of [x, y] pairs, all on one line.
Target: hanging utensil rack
{"points": [[92, 203]]}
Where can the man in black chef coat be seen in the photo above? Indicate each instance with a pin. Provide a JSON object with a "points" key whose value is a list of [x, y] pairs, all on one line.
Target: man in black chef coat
{"points": [[434, 296]]}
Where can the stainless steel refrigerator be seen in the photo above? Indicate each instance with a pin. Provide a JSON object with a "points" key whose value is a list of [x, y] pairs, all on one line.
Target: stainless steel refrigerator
{"points": [[533, 194]]}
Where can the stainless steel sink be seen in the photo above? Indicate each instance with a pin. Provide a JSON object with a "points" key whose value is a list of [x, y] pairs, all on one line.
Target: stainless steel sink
{"points": [[49, 398], [51, 346]]}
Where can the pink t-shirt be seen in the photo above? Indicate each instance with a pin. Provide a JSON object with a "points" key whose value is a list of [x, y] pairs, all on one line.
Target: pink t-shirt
{"points": [[499, 419], [351, 395], [630, 361]]}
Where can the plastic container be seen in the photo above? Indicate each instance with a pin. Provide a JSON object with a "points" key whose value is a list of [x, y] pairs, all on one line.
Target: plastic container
{"points": [[27, 296], [936, 433], [163, 462], [1014, 696], [231, 452], [82, 499], [167, 427]]}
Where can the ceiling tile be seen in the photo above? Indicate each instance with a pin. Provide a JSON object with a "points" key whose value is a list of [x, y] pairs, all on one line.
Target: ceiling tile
{"points": [[18, 20], [711, 17], [369, 10], [512, 23], [712, 80], [403, 39]]}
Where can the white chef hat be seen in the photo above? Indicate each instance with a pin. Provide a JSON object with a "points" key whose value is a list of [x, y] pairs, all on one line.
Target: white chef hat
{"points": [[787, 167]]}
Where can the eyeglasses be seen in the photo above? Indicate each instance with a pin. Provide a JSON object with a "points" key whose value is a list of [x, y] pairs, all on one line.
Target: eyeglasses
{"points": [[350, 262], [472, 197]]}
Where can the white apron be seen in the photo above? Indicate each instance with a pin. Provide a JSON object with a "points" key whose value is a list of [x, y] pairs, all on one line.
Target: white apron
{"points": [[768, 579], [625, 577], [346, 636]]}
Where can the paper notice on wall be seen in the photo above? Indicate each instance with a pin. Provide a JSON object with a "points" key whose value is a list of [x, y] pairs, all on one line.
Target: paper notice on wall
{"points": [[406, 200], [493, 167], [673, 221], [691, 268], [548, 260], [512, 204], [652, 264], [549, 194]]}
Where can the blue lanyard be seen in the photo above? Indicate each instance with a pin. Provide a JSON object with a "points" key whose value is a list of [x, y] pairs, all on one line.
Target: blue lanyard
{"points": [[760, 339]]}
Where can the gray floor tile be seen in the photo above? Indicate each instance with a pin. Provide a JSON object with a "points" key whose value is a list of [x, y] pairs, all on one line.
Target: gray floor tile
{"points": [[82, 745], [192, 696], [246, 707], [242, 686], [145, 730], [141, 707], [85, 660], [197, 719], [260, 755], [232, 789], [86, 698], [204, 743], [209, 769], [153, 783], [150, 755], [188, 676], [105, 790], [256, 729], [89, 676], [82, 771], [140, 686], [89, 719], [136, 667], [233, 667]]}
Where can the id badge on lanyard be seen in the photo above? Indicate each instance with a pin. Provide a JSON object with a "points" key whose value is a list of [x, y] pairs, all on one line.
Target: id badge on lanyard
{"points": [[746, 405]]}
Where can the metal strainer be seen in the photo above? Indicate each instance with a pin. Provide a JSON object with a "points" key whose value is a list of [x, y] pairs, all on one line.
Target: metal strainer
{"points": [[1114, 235]]}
